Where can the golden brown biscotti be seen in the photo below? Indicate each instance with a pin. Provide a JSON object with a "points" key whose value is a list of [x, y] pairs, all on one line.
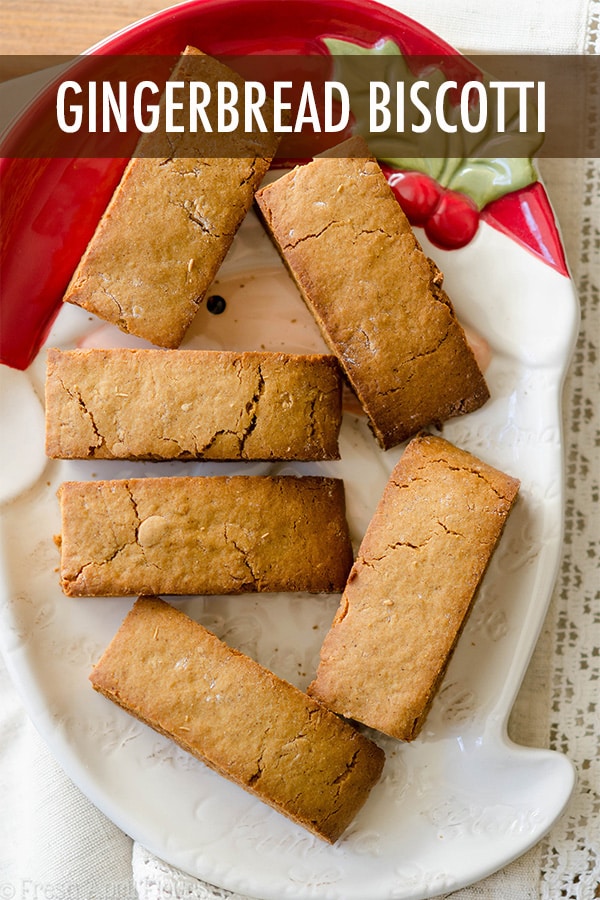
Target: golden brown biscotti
{"points": [[376, 296], [203, 535], [191, 404], [412, 586], [170, 223], [239, 718]]}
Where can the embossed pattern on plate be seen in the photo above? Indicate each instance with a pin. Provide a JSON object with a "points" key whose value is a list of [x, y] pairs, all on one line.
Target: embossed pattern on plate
{"points": [[460, 801]]}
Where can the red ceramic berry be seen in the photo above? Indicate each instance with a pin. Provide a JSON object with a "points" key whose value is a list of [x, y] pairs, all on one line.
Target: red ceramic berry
{"points": [[454, 221], [417, 194]]}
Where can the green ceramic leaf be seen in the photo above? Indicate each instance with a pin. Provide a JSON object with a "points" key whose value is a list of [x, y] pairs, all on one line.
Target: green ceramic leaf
{"points": [[356, 66], [484, 177], [432, 166], [485, 180], [346, 48]]}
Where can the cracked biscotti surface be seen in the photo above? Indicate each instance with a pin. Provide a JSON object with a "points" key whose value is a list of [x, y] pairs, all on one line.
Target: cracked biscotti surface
{"points": [[191, 404], [412, 586], [376, 296], [237, 717], [203, 535], [169, 225]]}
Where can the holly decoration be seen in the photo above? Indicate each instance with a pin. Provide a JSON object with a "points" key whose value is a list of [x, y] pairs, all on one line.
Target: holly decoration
{"points": [[448, 195], [450, 218]]}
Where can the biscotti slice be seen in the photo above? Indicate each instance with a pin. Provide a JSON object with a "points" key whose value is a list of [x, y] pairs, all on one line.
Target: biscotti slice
{"points": [[239, 718], [376, 296], [171, 221], [203, 535], [412, 586], [192, 404]]}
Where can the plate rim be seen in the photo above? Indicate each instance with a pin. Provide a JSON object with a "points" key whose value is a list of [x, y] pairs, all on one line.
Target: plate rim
{"points": [[51, 734]]}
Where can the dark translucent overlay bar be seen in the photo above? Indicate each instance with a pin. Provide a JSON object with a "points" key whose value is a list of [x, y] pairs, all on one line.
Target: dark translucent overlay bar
{"points": [[407, 107]]}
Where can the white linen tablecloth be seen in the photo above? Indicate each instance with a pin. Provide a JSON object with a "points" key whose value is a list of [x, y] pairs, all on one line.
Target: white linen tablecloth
{"points": [[55, 844]]}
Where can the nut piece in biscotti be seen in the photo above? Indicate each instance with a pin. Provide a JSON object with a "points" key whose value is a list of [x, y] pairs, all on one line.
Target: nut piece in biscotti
{"points": [[191, 404], [203, 535], [239, 718], [376, 296], [171, 221], [412, 586]]}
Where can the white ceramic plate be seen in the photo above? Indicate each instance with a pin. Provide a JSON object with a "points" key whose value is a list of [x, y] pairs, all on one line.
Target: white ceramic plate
{"points": [[459, 802]]}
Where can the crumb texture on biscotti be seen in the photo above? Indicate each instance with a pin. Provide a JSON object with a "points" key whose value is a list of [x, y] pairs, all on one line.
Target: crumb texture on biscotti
{"points": [[239, 718], [192, 404], [376, 296], [412, 586], [203, 535]]}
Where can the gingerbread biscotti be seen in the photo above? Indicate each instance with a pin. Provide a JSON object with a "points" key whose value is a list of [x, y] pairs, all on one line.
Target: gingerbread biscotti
{"points": [[376, 296], [203, 535], [239, 718], [191, 404], [171, 221], [412, 586]]}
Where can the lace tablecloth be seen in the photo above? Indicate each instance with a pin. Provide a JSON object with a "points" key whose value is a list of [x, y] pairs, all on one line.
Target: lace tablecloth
{"points": [[54, 843]]}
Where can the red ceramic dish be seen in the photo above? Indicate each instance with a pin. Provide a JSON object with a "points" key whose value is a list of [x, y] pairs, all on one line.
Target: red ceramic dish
{"points": [[51, 206]]}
